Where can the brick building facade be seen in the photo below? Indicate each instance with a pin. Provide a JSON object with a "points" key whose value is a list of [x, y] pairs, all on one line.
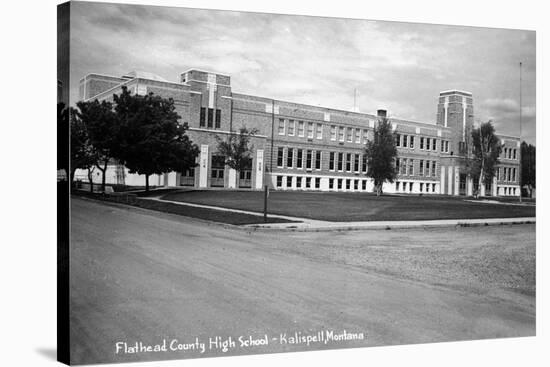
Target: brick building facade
{"points": [[303, 147]]}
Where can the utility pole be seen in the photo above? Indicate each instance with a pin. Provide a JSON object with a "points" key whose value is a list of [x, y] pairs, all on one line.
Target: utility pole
{"points": [[520, 123]]}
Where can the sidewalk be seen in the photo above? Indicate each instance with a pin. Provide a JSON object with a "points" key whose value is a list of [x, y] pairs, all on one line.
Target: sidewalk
{"points": [[306, 224]]}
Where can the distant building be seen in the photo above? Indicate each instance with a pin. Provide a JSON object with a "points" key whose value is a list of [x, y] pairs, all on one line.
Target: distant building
{"points": [[304, 147]]}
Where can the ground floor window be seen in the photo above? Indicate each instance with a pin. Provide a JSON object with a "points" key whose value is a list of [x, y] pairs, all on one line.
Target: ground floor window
{"points": [[245, 176], [348, 184], [308, 182], [317, 182], [356, 185], [298, 182], [433, 187], [331, 183], [364, 185], [188, 177], [396, 185], [339, 184], [279, 181], [421, 186], [410, 186], [289, 181]]}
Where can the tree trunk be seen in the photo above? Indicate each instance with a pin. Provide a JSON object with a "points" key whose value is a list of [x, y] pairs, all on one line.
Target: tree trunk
{"points": [[146, 183], [103, 172], [71, 177], [91, 179]]}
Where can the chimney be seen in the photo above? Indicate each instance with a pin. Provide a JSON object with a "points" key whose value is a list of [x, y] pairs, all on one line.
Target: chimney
{"points": [[381, 113]]}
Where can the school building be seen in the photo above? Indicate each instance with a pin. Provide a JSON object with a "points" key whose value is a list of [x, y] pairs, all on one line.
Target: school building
{"points": [[304, 147]]}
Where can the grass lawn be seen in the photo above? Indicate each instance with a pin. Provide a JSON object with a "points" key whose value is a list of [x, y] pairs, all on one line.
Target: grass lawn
{"points": [[189, 211], [349, 207]]}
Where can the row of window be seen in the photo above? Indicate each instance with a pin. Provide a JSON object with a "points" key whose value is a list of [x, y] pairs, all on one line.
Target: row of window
{"points": [[291, 182], [315, 131], [338, 161], [507, 174], [405, 166], [509, 153], [408, 186], [407, 141], [210, 118]]}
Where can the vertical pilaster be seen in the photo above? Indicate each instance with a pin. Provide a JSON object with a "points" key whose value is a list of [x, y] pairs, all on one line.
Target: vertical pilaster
{"points": [[203, 171]]}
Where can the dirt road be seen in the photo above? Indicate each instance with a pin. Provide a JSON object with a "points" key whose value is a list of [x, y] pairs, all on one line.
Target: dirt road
{"points": [[139, 276]]}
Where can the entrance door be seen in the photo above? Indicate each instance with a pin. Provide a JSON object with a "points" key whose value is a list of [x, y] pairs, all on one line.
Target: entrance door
{"points": [[188, 177], [462, 184], [217, 171], [245, 176]]}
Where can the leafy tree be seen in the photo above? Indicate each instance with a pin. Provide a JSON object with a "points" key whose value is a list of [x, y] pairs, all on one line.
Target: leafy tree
{"points": [[150, 139], [381, 153], [486, 149], [102, 131], [237, 149], [528, 166], [83, 154], [62, 137]]}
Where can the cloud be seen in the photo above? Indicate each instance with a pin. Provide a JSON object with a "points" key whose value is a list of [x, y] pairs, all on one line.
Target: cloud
{"points": [[401, 67]]}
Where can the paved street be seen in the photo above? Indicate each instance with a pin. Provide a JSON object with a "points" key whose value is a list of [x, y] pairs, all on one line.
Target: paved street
{"points": [[140, 276]]}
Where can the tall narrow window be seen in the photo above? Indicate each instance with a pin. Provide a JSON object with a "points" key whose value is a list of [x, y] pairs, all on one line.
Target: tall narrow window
{"points": [[411, 142], [348, 162], [411, 167], [421, 142], [210, 117], [404, 141], [333, 133], [290, 158], [398, 140], [428, 168], [218, 119], [281, 126], [404, 167], [308, 159], [202, 120], [428, 147], [433, 169], [364, 168], [318, 159], [280, 154], [299, 159], [331, 161], [349, 134], [340, 161], [397, 165], [434, 144], [421, 170], [365, 136], [358, 136], [356, 163]]}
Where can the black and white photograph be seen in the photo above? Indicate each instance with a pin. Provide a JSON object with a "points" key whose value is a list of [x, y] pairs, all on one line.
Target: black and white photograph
{"points": [[249, 183]]}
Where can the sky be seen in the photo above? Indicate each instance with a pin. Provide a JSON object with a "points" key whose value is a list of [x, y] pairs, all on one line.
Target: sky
{"points": [[400, 67]]}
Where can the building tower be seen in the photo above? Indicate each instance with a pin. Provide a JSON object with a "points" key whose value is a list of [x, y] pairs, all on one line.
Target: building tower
{"points": [[456, 110]]}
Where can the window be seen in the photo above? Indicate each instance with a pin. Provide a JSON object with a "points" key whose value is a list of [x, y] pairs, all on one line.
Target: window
{"points": [[340, 161], [203, 117], [433, 169], [447, 146], [433, 187], [356, 163], [505, 171], [331, 183], [498, 174], [421, 142], [289, 181], [364, 185], [514, 174], [356, 184], [348, 162], [308, 182], [410, 186], [298, 182], [421, 170], [281, 127], [319, 131], [428, 143], [310, 130], [291, 127], [279, 181], [404, 141], [317, 182], [421, 187], [404, 167], [280, 154], [308, 159], [339, 184], [218, 118], [396, 185], [442, 146], [340, 133], [217, 173], [349, 134], [299, 159], [428, 168], [411, 141], [515, 152], [348, 184], [411, 167], [290, 158], [358, 136], [333, 133], [331, 161], [364, 169], [210, 117], [318, 159], [397, 165], [365, 136], [398, 140], [301, 129], [434, 145]]}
